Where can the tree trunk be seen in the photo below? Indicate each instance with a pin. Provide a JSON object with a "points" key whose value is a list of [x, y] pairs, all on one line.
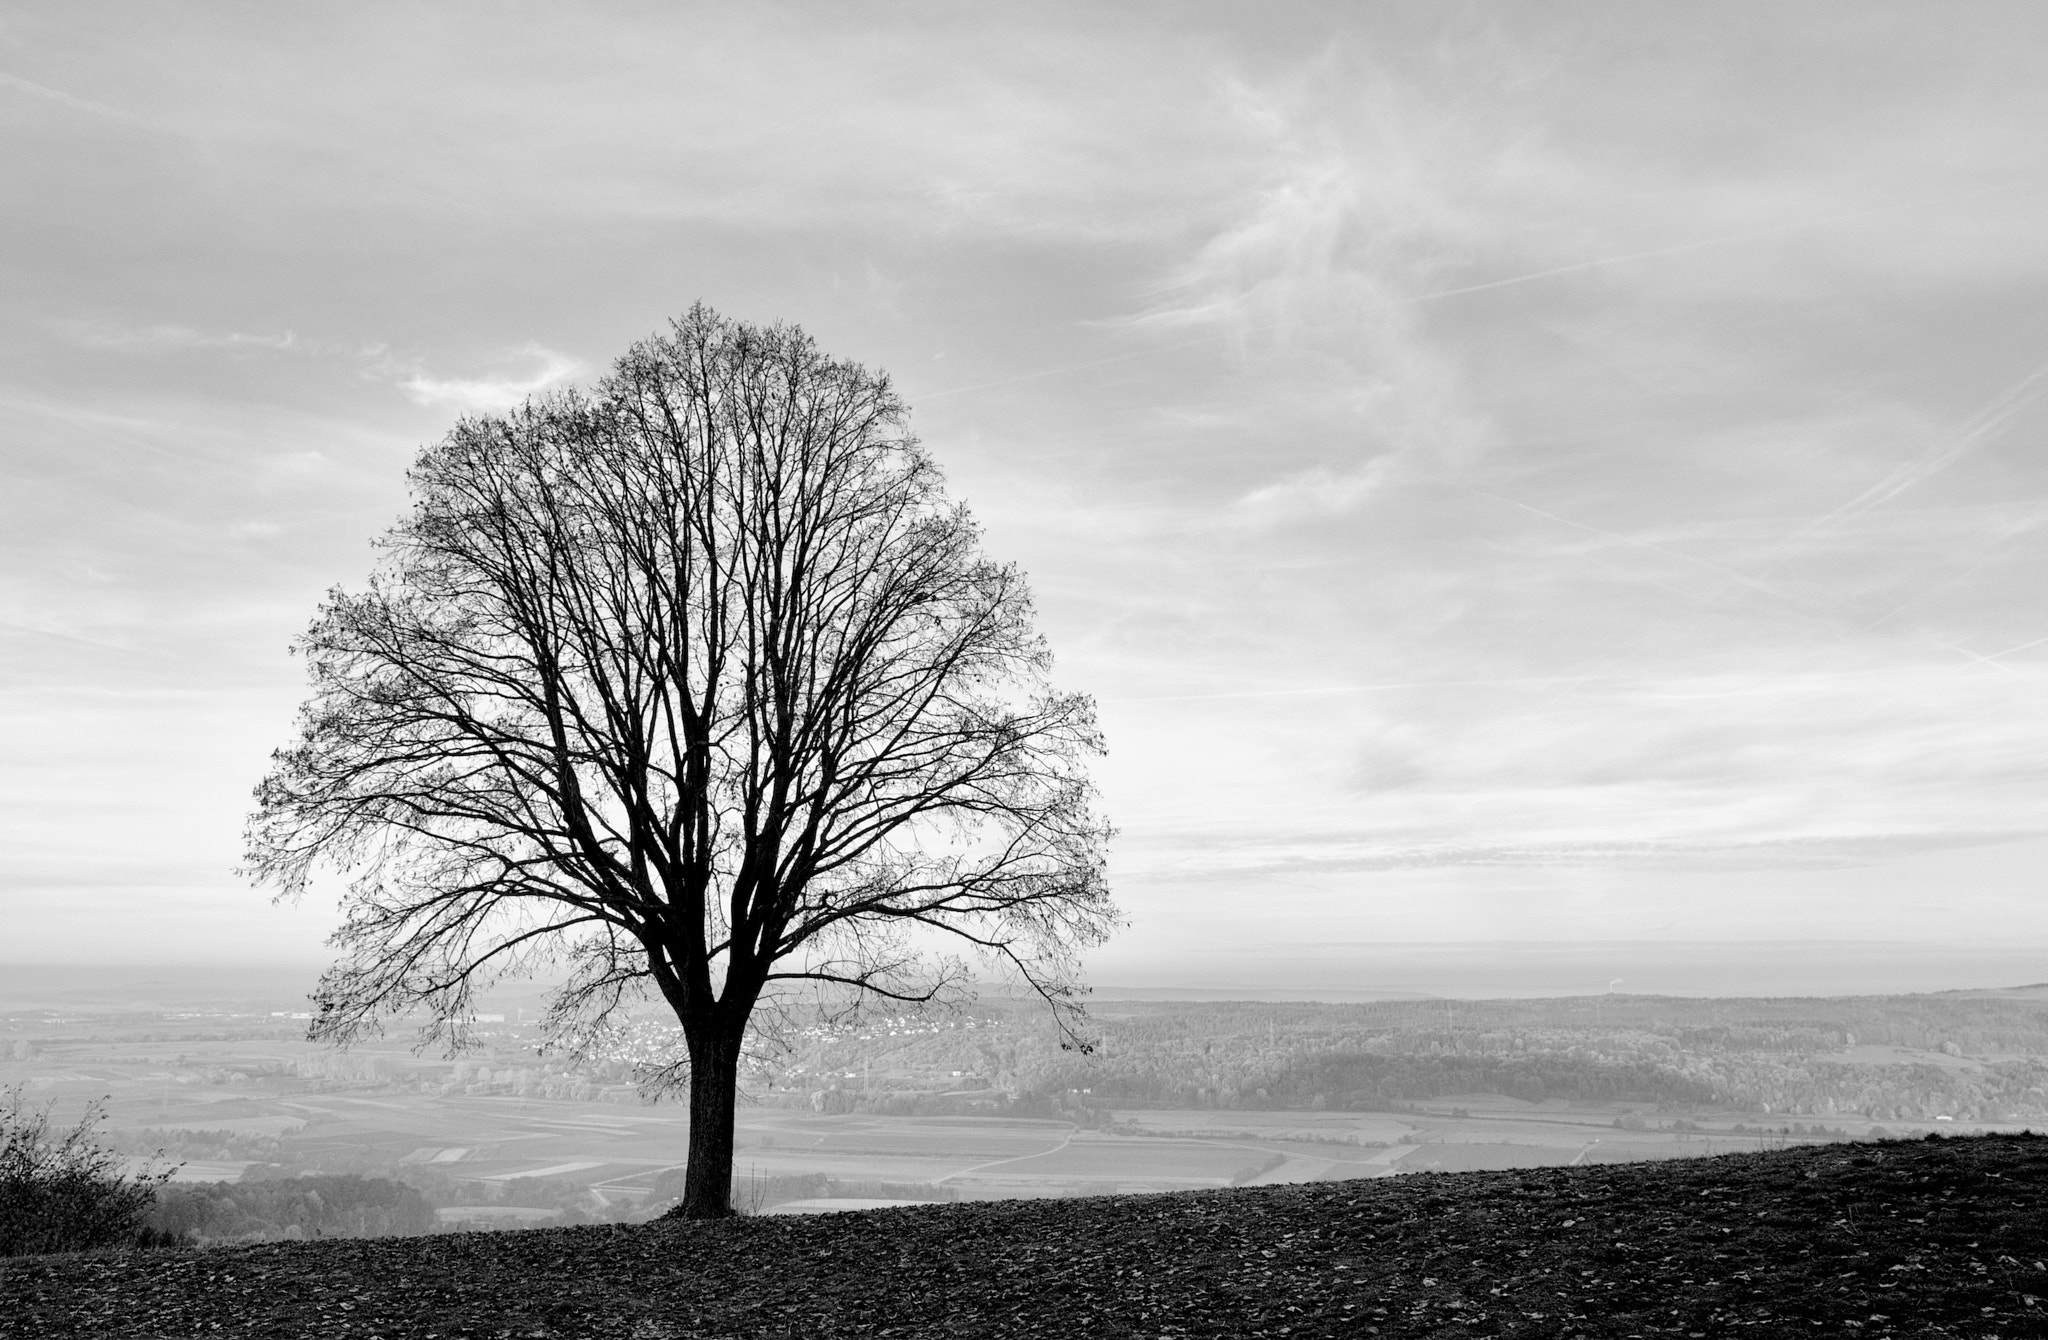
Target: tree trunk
{"points": [[714, 1090]]}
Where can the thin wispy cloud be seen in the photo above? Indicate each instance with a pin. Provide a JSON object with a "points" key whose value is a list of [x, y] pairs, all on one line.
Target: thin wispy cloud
{"points": [[495, 393], [1830, 852], [161, 338], [15, 83], [1547, 469]]}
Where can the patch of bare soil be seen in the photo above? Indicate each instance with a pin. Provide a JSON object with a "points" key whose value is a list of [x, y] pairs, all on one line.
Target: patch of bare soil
{"points": [[1921, 1239]]}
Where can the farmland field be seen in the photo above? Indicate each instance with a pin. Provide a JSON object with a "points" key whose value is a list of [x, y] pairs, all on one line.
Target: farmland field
{"points": [[976, 1108], [615, 1151]]}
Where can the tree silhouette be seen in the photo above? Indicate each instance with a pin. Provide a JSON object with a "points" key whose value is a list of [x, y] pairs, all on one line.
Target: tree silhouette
{"points": [[696, 684]]}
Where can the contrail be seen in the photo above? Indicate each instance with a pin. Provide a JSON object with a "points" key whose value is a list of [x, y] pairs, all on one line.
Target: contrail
{"points": [[1533, 276], [1996, 656], [1346, 688], [2000, 411], [1044, 373], [58, 95], [1726, 239], [1985, 423], [12, 627], [1718, 569]]}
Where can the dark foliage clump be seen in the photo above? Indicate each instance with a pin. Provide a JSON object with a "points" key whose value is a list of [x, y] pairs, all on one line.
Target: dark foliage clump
{"points": [[66, 1192], [300, 1207]]}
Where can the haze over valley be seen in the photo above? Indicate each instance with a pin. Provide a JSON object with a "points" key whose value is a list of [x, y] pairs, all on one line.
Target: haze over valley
{"points": [[212, 1070]]}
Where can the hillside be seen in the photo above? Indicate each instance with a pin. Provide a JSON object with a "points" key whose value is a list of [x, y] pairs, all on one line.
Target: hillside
{"points": [[1901, 1238]]}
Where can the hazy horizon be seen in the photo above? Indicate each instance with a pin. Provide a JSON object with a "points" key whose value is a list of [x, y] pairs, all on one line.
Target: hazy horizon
{"points": [[1537, 475], [1456, 970]]}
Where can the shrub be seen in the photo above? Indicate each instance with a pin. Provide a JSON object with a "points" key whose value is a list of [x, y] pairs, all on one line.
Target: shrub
{"points": [[65, 1193], [345, 1206]]}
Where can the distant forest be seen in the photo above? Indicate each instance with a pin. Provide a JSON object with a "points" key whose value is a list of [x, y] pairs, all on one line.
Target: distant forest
{"points": [[1981, 1057], [1965, 1056]]}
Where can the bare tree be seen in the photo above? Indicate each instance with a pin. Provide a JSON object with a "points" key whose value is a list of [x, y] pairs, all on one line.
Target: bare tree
{"points": [[699, 684]]}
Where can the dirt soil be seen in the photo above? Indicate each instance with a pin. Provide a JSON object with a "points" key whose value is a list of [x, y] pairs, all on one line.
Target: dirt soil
{"points": [[1902, 1238]]}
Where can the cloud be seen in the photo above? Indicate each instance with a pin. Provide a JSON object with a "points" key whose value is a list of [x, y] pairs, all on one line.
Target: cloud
{"points": [[1310, 279], [159, 338], [1820, 852], [1317, 492], [1458, 440], [61, 98], [494, 394]]}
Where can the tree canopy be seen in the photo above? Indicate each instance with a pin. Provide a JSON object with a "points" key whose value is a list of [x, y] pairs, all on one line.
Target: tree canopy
{"points": [[696, 683]]}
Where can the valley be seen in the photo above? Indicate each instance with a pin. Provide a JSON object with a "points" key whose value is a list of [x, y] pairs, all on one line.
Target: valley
{"points": [[983, 1104]]}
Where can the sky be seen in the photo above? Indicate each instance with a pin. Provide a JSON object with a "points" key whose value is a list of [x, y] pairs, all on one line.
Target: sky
{"points": [[1539, 473]]}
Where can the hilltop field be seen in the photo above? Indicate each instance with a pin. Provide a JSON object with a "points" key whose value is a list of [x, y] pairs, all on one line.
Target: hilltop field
{"points": [[1928, 1238]]}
